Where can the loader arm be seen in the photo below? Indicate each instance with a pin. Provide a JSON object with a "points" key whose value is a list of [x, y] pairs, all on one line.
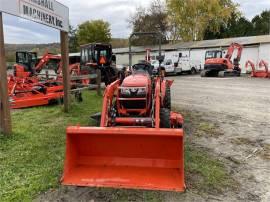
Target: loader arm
{"points": [[157, 105], [107, 102]]}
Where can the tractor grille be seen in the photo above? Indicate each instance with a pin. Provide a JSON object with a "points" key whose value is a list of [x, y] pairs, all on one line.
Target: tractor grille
{"points": [[133, 104]]}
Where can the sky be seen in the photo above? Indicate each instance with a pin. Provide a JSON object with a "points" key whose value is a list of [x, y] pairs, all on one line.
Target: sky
{"points": [[116, 12]]}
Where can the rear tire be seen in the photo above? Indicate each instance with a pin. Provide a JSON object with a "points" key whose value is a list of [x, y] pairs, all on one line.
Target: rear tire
{"points": [[203, 73], [167, 99], [165, 118], [221, 74], [193, 71]]}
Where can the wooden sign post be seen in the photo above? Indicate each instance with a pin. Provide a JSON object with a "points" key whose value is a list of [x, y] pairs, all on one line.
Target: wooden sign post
{"points": [[5, 122], [50, 13], [66, 75]]}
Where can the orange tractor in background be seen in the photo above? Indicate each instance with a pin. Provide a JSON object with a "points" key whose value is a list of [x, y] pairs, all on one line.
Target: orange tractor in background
{"points": [[27, 89], [99, 56], [140, 141], [28, 64], [259, 71], [223, 67]]}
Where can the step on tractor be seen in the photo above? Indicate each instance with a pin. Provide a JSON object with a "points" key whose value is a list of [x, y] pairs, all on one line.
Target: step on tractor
{"points": [[139, 143], [217, 66], [262, 71]]}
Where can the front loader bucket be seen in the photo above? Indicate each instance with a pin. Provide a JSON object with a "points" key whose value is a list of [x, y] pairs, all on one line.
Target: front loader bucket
{"points": [[136, 158]]}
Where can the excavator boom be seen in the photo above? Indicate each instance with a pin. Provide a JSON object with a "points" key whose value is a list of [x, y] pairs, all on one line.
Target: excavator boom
{"points": [[232, 48]]}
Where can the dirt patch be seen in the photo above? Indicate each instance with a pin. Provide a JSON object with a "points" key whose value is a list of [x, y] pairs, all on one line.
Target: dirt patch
{"points": [[86, 194], [243, 141], [200, 175], [239, 107], [209, 129]]}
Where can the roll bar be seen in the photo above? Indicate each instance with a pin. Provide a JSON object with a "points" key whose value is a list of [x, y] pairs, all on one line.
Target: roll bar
{"points": [[156, 34]]}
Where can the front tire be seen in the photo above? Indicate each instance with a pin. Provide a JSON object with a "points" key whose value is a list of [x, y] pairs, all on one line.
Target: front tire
{"points": [[165, 118]]}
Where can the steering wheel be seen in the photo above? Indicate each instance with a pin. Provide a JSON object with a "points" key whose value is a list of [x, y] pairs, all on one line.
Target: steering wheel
{"points": [[142, 67]]}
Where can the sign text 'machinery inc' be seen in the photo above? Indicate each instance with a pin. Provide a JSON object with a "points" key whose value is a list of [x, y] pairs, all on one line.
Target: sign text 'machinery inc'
{"points": [[47, 12], [31, 11]]}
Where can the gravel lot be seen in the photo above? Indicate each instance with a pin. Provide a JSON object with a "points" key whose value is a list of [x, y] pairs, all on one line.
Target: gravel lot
{"points": [[241, 108]]}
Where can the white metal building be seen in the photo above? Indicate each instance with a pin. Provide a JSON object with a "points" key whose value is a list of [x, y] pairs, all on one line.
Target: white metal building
{"points": [[255, 49]]}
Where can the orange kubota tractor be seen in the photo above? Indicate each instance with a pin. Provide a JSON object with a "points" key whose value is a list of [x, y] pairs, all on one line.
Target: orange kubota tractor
{"points": [[259, 72], [139, 143], [223, 67]]}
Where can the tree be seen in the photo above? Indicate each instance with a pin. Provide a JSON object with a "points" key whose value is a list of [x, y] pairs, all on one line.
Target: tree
{"points": [[261, 23], [237, 26], [95, 31], [192, 18], [73, 40], [152, 19], [242, 27]]}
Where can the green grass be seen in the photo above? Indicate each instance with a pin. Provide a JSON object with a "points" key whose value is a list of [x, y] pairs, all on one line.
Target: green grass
{"points": [[31, 160], [206, 173]]}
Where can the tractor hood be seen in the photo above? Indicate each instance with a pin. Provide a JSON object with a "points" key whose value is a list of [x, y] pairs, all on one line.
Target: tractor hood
{"points": [[136, 80]]}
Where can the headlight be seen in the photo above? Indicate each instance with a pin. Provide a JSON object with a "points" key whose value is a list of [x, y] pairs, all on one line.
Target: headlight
{"points": [[141, 91], [125, 91]]}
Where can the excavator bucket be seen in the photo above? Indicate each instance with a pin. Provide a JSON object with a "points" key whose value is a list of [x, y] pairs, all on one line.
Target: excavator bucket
{"points": [[137, 158]]}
